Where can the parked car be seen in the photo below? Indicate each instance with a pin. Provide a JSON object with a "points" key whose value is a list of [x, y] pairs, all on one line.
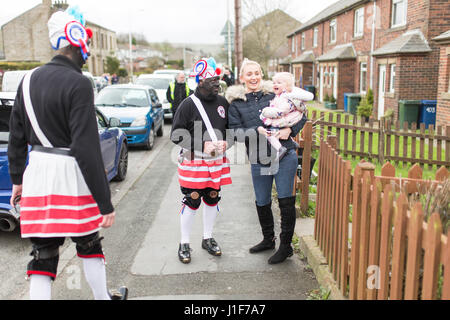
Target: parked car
{"points": [[92, 80], [138, 109], [172, 72], [100, 83], [10, 84], [113, 144], [159, 82]]}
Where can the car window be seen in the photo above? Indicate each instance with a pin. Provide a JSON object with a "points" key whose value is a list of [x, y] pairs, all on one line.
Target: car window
{"points": [[122, 97], [101, 122], [153, 96]]}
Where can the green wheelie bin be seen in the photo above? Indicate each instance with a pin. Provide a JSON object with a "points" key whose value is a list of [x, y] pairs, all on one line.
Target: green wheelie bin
{"points": [[408, 111]]}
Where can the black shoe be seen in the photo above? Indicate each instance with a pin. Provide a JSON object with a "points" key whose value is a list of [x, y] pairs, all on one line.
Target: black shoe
{"points": [[184, 253], [211, 246], [282, 254], [121, 294], [266, 244]]}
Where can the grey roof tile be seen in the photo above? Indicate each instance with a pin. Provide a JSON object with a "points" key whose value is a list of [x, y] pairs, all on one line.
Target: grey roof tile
{"points": [[411, 41]]}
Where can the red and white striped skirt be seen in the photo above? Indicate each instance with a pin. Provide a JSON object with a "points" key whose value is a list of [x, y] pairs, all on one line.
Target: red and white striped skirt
{"points": [[56, 202], [201, 173]]}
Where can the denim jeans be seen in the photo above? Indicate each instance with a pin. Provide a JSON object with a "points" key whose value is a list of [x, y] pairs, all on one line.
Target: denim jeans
{"points": [[284, 175]]}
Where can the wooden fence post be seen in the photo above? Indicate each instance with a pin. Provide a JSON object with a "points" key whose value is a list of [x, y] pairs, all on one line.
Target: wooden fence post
{"points": [[414, 252], [381, 139], [431, 259], [306, 166]]}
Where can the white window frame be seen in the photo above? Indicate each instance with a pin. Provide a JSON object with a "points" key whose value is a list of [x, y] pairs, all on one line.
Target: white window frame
{"points": [[358, 29], [293, 44], [315, 36], [333, 31], [361, 76], [394, 23], [392, 78], [303, 41]]}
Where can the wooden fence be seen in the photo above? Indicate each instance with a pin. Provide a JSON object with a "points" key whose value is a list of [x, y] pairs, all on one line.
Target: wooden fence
{"points": [[387, 251], [305, 141], [383, 140]]}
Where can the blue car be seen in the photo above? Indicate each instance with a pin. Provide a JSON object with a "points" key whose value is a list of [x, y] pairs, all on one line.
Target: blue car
{"points": [[139, 111], [114, 146]]}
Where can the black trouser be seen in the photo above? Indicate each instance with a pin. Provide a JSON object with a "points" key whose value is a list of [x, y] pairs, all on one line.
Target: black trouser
{"points": [[46, 252], [210, 197]]}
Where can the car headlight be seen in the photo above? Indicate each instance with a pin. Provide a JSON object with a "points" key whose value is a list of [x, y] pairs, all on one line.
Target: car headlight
{"points": [[139, 122]]}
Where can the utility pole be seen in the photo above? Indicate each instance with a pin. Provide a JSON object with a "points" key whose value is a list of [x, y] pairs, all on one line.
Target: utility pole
{"points": [[238, 37], [131, 56], [230, 60]]}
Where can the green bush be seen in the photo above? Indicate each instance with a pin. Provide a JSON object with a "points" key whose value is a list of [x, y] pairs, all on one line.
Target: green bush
{"points": [[12, 66], [365, 107]]}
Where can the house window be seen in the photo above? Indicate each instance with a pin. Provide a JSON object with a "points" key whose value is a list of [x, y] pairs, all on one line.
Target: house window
{"points": [[363, 77], [315, 36], [399, 9], [293, 44], [333, 30], [303, 41], [359, 22], [392, 79]]}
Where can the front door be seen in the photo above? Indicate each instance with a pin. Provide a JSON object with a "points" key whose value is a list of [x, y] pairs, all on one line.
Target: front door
{"points": [[335, 82], [321, 83], [381, 90]]}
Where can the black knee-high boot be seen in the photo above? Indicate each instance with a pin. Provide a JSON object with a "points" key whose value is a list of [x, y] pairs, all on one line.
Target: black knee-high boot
{"points": [[265, 217], [288, 218]]}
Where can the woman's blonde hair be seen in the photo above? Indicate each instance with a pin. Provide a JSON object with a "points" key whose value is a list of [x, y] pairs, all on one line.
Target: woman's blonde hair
{"points": [[247, 62], [286, 77]]}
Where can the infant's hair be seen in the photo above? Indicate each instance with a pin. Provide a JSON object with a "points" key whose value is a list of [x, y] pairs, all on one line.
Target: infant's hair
{"points": [[286, 77], [246, 62]]}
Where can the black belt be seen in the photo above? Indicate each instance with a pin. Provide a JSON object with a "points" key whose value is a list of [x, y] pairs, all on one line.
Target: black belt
{"points": [[61, 152]]}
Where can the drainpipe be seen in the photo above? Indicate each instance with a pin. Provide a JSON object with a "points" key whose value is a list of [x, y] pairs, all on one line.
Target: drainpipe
{"points": [[373, 42]]}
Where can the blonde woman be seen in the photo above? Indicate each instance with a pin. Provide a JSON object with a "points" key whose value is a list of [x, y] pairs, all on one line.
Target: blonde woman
{"points": [[246, 104]]}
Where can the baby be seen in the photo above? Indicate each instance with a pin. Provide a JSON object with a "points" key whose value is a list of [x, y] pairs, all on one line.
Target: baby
{"points": [[286, 109]]}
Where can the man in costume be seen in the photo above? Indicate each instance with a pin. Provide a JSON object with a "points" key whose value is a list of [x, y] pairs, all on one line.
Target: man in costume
{"points": [[199, 128], [63, 192]]}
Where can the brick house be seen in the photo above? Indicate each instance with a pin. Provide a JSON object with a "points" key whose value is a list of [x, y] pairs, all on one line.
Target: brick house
{"points": [[386, 45], [443, 97]]}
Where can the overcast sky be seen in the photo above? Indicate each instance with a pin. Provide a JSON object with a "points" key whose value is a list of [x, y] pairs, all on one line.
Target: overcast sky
{"points": [[175, 21]]}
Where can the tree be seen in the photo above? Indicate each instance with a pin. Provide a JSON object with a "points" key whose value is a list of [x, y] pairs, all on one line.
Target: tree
{"points": [[264, 36], [112, 65]]}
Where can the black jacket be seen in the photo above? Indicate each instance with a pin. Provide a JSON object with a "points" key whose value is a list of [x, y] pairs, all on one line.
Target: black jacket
{"points": [[188, 118], [179, 94], [244, 114], [63, 102]]}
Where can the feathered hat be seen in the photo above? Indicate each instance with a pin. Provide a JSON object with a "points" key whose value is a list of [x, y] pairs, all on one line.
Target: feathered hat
{"points": [[204, 69], [68, 28]]}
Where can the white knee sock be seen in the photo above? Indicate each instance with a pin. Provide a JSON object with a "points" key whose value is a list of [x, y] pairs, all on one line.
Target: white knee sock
{"points": [[95, 273], [187, 217], [209, 218], [40, 287]]}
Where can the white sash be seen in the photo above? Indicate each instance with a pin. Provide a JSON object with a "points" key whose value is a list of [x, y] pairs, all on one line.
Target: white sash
{"points": [[30, 111], [205, 118]]}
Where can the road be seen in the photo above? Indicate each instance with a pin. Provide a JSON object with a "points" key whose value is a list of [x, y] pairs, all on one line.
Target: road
{"points": [[141, 248]]}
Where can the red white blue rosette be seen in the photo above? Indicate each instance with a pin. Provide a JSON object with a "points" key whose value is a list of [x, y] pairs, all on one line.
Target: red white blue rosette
{"points": [[77, 36], [199, 68]]}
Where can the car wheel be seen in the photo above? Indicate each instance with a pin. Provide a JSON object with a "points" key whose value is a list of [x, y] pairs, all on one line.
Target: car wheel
{"points": [[150, 140], [160, 131], [122, 166]]}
